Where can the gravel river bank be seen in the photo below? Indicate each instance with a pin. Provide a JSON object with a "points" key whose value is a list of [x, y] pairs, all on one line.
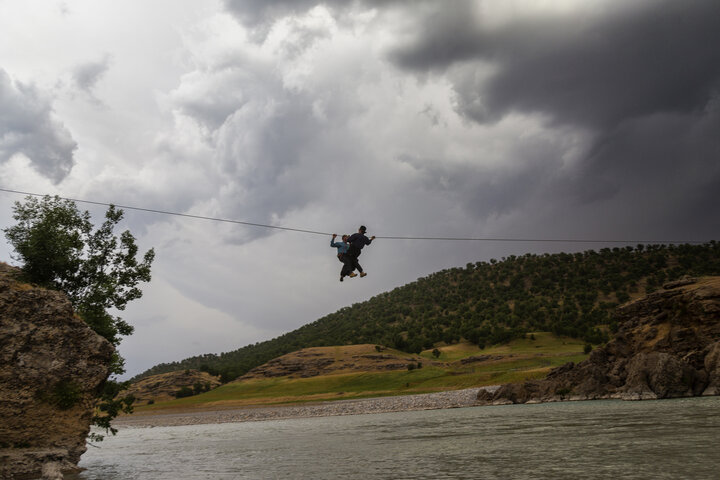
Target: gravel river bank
{"points": [[427, 401]]}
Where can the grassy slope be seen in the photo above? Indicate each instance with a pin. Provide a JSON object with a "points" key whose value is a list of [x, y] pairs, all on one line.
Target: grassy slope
{"points": [[521, 359]]}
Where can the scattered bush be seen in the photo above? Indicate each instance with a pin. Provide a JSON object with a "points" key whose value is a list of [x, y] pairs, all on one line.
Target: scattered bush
{"points": [[199, 388], [64, 395], [562, 391], [184, 392]]}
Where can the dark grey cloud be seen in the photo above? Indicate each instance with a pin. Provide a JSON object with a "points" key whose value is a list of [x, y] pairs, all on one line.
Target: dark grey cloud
{"points": [[258, 15], [259, 12], [652, 178], [87, 75], [28, 126], [494, 190], [583, 70], [658, 173], [643, 79]]}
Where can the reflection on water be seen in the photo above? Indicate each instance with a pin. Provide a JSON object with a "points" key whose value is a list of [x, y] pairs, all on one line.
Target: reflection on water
{"points": [[667, 439]]}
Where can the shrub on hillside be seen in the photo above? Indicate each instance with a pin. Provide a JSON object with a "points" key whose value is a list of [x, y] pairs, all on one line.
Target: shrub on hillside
{"points": [[184, 392]]}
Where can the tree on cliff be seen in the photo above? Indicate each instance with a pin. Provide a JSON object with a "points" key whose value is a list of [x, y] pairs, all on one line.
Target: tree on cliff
{"points": [[98, 271], [59, 248]]}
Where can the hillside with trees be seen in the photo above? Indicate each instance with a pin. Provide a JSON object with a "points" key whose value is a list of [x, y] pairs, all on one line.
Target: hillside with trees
{"points": [[486, 303]]}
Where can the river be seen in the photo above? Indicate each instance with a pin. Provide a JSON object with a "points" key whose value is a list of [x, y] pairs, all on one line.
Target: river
{"points": [[663, 439]]}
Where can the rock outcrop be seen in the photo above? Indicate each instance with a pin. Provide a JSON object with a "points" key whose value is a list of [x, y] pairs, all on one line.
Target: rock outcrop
{"points": [[164, 386], [51, 366], [667, 345], [315, 361]]}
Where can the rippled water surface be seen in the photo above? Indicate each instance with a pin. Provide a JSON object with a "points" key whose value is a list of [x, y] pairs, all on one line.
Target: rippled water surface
{"points": [[668, 439]]}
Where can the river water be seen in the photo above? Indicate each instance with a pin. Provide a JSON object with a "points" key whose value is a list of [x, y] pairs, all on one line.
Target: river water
{"points": [[665, 439]]}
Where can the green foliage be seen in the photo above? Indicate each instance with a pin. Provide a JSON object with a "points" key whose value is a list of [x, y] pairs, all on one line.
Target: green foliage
{"points": [[59, 248], [211, 370], [65, 394], [184, 392], [110, 405], [563, 391], [436, 353], [587, 348], [487, 303], [200, 387]]}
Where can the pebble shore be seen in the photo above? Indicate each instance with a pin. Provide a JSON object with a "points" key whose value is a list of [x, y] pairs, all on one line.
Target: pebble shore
{"points": [[427, 401]]}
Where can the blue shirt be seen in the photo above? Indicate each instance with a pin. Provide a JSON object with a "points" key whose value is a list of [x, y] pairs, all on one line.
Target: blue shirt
{"points": [[342, 247]]}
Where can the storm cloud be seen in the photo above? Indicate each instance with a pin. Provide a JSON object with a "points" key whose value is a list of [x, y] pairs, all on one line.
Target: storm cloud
{"points": [[629, 60], [642, 79], [29, 127]]}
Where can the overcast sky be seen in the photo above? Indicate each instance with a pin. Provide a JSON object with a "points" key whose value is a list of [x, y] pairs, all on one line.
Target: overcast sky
{"points": [[587, 119]]}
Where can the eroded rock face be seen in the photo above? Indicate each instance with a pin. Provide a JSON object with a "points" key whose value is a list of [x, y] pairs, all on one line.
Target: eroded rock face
{"points": [[667, 346], [51, 366]]}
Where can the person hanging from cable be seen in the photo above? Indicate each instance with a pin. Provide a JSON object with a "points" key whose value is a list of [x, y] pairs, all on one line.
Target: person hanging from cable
{"points": [[356, 243], [342, 248]]}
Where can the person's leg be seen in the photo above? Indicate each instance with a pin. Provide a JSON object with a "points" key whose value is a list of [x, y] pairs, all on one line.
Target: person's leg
{"points": [[351, 259], [342, 270], [357, 266], [347, 266], [357, 253]]}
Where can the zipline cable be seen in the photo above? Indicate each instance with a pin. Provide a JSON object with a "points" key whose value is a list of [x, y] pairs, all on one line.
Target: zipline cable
{"points": [[164, 212], [314, 232]]}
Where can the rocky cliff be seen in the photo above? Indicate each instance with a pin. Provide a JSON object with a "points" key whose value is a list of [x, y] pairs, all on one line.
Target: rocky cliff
{"points": [[667, 345], [51, 366]]}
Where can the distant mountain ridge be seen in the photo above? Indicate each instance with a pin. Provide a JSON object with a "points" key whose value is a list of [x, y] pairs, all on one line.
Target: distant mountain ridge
{"points": [[485, 303]]}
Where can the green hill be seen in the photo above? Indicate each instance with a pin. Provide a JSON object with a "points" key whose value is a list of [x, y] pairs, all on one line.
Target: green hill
{"points": [[362, 371], [485, 303]]}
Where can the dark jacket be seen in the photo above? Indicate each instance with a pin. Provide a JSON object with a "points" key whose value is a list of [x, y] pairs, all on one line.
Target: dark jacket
{"points": [[358, 241]]}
